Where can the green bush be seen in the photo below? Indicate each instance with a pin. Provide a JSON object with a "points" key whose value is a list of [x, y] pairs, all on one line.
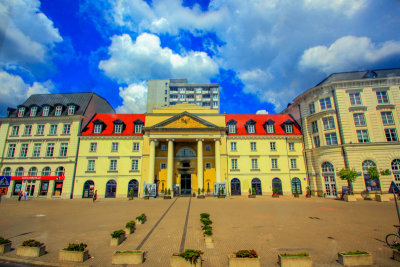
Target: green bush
{"points": [[128, 252], [130, 224], [117, 233], [275, 190], [253, 191], [76, 247], [191, 255], [300, 254], [246, 254], [204, 215], [357, 252], [31, 243], [205, 227], [131, 192], [205, 221], [208, 232], [141, 217], [4, 241]]}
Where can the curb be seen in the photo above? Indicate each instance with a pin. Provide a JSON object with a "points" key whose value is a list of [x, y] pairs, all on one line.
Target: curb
{"points": [[39, 263]]}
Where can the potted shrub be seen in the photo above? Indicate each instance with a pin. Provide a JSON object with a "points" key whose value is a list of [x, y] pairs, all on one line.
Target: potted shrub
{"points": [[167, 194], [130, 227], [117, 237], [201, 196], [31, 248], [141, 218], [296, 193], [5, 245], [396, 253], [355, 258], [275, 192], [146, 193], [131, 194], [128, 257], [295, 259], [245, 258], [190, 257], [252, 193], [74, 252], [350, 176], [221, 192]]}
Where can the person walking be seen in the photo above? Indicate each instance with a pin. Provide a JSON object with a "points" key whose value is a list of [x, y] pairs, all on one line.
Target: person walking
{"points": [[26, 195], [94, 196], [20, 195]]}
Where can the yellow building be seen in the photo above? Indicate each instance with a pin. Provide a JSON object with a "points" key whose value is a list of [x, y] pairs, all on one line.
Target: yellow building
{"points": [[351, 120]]}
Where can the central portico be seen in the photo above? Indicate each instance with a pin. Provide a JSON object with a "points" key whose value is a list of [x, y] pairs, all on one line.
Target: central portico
{"points": [[182, 145]]}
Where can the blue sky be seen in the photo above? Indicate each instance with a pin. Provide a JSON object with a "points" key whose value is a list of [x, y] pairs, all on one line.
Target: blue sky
{"points": [[262, 53]]}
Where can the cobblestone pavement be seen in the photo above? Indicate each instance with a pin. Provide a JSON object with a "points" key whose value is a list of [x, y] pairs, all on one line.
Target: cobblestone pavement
{"points": [[322, 227]]}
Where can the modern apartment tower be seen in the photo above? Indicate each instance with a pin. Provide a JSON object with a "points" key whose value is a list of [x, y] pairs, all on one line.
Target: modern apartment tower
{"points": [[167, 92]]}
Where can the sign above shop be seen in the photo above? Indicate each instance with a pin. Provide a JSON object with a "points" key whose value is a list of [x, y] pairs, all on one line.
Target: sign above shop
{"points": [[21, 178]]}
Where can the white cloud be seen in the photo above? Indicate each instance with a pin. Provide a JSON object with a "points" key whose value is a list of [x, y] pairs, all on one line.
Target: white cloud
{"points": [[134, 98], [263, 111], [14, 91], [348, 53], [145, 59], [348, 7], [28, 33]]}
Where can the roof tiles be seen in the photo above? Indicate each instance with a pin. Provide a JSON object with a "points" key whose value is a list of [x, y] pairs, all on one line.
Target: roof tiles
{"points": [[108, 119]]}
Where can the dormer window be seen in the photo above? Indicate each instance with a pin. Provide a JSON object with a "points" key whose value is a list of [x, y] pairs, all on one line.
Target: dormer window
{"points": [[251, 129], [21, 112], [71, 110], [269, 126], [58, 111], [33, 111], [97, 128], [288, 128], [231, 126], [118, 128], [138, 126], [46, 111], [250, 126]]}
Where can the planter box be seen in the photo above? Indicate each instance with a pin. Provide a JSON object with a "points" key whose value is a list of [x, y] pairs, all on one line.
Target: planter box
{"points": [[296, 196], [31, 251], [178, 261], [243, 262], [129, 230], [355, 260], [382, 198], [350, 198], [219, 196], [296, 261], [140, 222], [146, 197], [75, 256], [252, 196], [116, 241], [201, 197], [167, 197], [209, 241], [128, 258], [396, 255], [275, 196], [5, 248]]}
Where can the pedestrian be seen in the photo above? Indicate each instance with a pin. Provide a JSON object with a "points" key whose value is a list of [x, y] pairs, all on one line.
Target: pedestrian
{"points": [[26, 195], [95, 196], [20, 195]]}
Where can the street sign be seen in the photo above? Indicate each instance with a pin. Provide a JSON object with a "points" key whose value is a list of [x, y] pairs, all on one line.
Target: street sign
{"points": [[5, 181], [394, 188], [3, 191]]}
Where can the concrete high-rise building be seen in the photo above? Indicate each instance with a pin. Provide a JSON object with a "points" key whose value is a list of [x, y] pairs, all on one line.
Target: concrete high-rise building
{"points": [[167, 92]]}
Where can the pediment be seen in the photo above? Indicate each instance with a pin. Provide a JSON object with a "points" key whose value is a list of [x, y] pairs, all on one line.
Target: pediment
{"points": [[185, 120]]}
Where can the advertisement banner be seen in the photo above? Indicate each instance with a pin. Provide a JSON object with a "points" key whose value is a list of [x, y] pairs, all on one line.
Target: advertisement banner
{"points": [[22, 178]]}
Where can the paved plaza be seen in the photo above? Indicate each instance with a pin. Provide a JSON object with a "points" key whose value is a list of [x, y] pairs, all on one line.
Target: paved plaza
{"points": [[322, 227]]}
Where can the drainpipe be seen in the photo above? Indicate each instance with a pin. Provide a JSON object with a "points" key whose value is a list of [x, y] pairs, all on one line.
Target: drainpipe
{"points": [[76, 161], [304, 150]]}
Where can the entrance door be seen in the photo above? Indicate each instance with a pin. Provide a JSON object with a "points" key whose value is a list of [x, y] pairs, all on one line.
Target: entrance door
{"points": [[235, 187], [30, 189], [186, 184]]}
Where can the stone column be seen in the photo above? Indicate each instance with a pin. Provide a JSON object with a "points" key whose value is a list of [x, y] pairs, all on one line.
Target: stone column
{"points": [[170, 166], [217, 161], [200, 172], [152, 160]]}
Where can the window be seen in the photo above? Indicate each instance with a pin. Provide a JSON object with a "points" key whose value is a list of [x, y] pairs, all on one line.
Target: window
{"points": [[135, 164], [331, 139], [97, 128], [118, 128], [387, 118], [314, 126], [362, 136], [182, 97], [325, 103], [274, 163], [71, 110], [329, 123], [93, 147], [293, 164], [359, 119], [46, 111], [208, 148], [67, 129], [316, 141], [198, 90], [32, 171], [182, 90], [11, 150], [36, 150], [311, 107], [234, 164], [114, 147], [24, 151], [391, 135], [215, 97], [40, 130], [53, 129], [253, 146], [251, 129], [215, 104], [270, 128], [58, 110], [208, 165], [232, 128], [7, 171], [15, 130], [28, 130], [163, 148], [135, 146], [138, 128], [166, 92], [382, 97], [291, 146], [254, 163], [33, 111], [113, 165], [91, 165], [288, 128], [163, 166], [355, 99], [50, 150], [46, 171], [272, 146], [63, 149], [233, 146], [19, 171], [21, 112]]}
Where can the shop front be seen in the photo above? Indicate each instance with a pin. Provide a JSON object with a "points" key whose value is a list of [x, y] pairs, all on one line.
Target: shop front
{"points": [[37, 185]]}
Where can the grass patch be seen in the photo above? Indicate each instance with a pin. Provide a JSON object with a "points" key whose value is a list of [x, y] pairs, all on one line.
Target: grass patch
{"points": [[128, 252], [300, 254], [355, 253]]}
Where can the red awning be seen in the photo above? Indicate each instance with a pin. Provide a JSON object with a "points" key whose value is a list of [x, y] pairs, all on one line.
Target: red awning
{"points": [[19, 178]]}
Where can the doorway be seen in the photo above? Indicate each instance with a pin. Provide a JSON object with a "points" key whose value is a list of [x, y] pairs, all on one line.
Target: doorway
{"points": [[186, 184]]}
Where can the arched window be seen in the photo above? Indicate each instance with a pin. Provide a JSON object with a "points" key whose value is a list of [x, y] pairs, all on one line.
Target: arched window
{"points": [[134, 184], [256, 183], [235, 187], [186, 152], [296, 186], [60, 171], [111, 189], [6, 171], [370, 185], [88, 189], [32, 171], [277, 183], [328, 173], [46, 171], [396, 171], [19, 171]]}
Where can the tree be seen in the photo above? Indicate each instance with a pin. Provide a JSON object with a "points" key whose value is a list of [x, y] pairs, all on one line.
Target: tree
{"points": [[348, 175], [131, 193], [373, 173]]}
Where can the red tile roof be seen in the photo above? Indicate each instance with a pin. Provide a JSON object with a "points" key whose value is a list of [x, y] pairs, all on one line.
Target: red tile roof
{"points": [[260, 119], [108, 119]]}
